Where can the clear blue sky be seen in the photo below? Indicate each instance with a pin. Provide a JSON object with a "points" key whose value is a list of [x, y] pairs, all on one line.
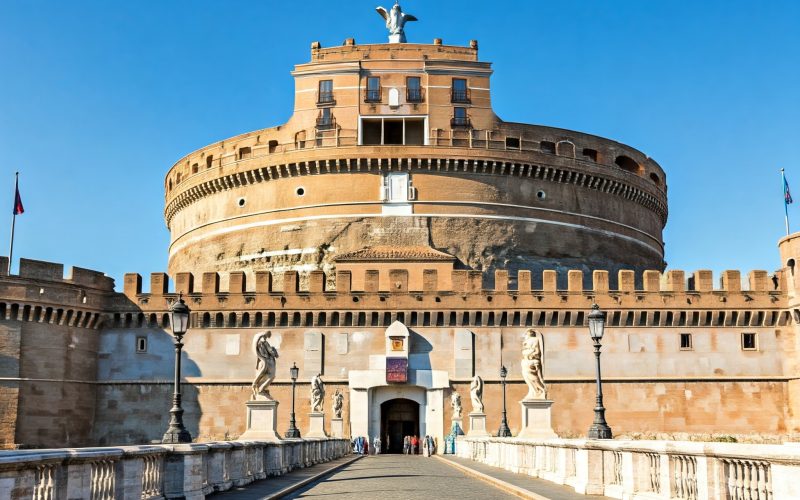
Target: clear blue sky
{"points": [[99, 98]]}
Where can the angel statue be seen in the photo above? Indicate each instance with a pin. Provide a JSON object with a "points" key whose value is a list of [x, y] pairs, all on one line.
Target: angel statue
{"points": [[265, 365], [533, 364], [396, 19], [476, 394], [338, 403], [317, 393], [455, 402]]}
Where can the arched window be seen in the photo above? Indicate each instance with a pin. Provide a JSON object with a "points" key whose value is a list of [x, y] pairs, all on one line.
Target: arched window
{"points": [[195, 168], [246, 320], [219, 320], [628, 164], [565, 148], [655, 179], [206, 320]]}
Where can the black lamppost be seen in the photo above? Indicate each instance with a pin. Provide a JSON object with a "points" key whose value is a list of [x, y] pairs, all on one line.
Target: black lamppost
{"points": [[293, 431], [597, 324], [179, 319], [504, 430]]}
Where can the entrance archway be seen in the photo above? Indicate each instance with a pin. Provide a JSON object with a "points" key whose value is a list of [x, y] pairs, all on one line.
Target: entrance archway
{"points": [[399, 418]]}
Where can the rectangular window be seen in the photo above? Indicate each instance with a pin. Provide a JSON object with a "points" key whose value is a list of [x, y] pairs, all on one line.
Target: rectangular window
{"points": [[373, 89], [325, 119], [141, 344], [686, 341], [413, 89], [245, 152], [325, 95], [749, 342], [459, 91], [392, 131], [460, 118]]}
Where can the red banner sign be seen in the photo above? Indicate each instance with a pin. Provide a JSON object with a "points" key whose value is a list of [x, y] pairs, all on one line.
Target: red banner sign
{"points": [[397, 370]]}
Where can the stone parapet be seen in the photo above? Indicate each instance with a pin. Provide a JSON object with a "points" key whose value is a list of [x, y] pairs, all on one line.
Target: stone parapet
{"points": [[161, 471], [646, 469]]}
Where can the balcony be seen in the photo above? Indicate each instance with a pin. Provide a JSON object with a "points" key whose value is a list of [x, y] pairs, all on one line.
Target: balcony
{"points": [[414, 95], [326, 122], [325, 99], [460, 121], [460, 96], [372, 95]]}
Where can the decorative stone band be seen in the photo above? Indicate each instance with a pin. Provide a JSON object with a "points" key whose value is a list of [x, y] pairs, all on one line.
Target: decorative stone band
{"points": [[652, 469], [166, 471], [613, 184]]}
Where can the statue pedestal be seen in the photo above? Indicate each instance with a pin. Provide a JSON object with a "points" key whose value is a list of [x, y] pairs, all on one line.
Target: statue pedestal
{"points": [[261, 421], [536, 423], [477, 425], [337, 427], [398, 38], [316, 425]]}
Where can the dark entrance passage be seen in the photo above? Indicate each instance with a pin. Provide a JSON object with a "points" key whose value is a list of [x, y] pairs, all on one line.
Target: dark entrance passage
{"points": [[399, 418]]}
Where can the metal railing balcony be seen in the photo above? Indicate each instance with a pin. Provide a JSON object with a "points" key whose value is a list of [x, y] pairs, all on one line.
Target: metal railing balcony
{"points": [[372, 95], [460, 121], [414, 95], [325, 98], [459, 96]]}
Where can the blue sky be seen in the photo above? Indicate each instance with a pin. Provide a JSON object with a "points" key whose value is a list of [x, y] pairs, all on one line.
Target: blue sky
{"points": [[98, 99]]}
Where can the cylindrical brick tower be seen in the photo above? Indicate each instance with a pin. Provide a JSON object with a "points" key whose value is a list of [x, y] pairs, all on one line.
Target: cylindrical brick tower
{"points": [[397, 144]]}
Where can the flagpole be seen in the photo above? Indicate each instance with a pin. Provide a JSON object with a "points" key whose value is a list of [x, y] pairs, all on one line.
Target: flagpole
{"points": [[13, 223], [785, 205]]}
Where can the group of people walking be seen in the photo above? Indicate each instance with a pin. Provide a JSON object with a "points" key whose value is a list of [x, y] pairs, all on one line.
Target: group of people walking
{"points": [[412, 445], [361, 446]]}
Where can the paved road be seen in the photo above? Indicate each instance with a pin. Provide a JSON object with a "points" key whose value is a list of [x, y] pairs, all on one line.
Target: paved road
{"points": [[400, 477]]}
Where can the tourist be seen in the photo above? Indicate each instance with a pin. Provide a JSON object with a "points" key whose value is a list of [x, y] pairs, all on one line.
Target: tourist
{"points": [[425, 448], [406, 444], [366, 446], [376, 446], [414, 444]]}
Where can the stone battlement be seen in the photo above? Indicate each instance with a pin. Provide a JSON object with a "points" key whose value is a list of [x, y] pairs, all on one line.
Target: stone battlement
{"points": [[463, 282]]}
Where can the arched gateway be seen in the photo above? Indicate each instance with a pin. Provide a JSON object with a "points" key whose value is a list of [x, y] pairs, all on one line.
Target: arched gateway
{"points": [[398, 383]]}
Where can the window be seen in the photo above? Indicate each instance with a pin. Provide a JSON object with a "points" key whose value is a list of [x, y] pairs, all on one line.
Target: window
{"points": [[373, 89], [141, 344], [512, 142], [393, 131], [325, 94], [325, 119], [460, 118], [195, 168], [459, 92], [245, 153], [590, 154], [547, 147], [628, 164], [209, 161], [749, 342], [413, 89], [686, 341]]}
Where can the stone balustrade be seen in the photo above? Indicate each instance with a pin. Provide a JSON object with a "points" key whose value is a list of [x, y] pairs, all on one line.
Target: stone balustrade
{"points": [[157, 471], [648, 469]]}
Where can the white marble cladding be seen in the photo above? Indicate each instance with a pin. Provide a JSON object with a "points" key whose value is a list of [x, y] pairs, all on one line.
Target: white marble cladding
{"points": [[159, 471], [648, 469]]}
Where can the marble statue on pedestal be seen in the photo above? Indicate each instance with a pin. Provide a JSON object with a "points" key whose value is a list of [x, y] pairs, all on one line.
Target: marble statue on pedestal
{"points": [[533, 364], [338, 404], [265, 366], [476, 394], [317, 394], [396, 19], [455, 402]]}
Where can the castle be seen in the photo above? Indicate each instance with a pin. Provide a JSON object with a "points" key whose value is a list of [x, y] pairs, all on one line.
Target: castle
{"points": [[395, 204]]}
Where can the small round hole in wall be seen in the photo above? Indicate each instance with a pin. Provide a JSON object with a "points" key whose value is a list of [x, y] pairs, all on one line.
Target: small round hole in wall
{"points": [[300, 191], [241, 202], [541, 195]]}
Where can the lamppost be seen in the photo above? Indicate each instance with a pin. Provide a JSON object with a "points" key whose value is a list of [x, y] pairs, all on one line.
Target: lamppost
{"points": [[293, 431], [179, 319], [504, 430], [597, 324]]}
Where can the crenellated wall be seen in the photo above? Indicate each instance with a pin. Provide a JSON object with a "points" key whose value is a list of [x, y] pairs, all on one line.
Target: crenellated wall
{"points": [[49, 333]]}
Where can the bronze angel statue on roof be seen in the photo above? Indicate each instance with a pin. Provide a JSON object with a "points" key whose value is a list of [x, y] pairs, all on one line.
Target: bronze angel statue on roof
{"points": [[396, 19]]}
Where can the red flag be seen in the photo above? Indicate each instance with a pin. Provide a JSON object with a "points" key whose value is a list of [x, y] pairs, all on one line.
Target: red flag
{"points": [[18, 208]]}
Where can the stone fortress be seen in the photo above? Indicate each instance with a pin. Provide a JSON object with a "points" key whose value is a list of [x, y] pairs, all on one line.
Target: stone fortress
{"points": [[396, 216]]}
